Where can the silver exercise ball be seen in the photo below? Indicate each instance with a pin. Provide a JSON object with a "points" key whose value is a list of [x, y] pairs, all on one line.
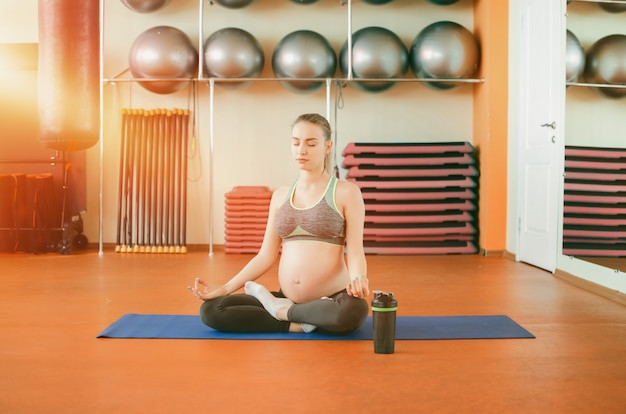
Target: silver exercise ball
{"points": [[444, 50], [234, 4], [233, 53], [376, 53], [163, 52], [443, 2], [574, 58], [613, 7], [145, 6], [606, 63], [377, 2], [304, 54]]}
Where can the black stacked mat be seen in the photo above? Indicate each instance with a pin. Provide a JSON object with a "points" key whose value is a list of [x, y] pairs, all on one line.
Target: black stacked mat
{"points": [[420, 198], [594, 211]]}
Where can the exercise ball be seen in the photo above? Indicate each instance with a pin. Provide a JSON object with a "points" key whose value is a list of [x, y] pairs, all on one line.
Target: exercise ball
{"points": [[163, 52], [234, 4], [606, 63], [376, 53], [613, 7], [377, 2], [574, 58], [443, 2], [304, 1], [444, 50], [233, 53], [145, 6], [303, 54]]}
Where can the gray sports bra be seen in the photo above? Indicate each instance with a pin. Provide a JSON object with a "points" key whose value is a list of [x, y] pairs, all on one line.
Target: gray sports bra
{"points": [[321, 222]]}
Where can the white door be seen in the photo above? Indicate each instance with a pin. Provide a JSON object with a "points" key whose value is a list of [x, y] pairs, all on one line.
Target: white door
{"points": [[542, 92]]}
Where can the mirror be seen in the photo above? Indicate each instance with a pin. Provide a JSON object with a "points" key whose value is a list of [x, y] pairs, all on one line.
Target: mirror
{"points": [[594, 211]]}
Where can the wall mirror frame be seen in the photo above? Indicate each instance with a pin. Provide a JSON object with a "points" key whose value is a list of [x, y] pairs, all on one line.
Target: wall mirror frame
{"points": [[594, 199]]}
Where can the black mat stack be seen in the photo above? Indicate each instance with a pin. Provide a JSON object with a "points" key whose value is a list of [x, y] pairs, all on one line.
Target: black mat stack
{"points": [[420, 198], [594, 211]]}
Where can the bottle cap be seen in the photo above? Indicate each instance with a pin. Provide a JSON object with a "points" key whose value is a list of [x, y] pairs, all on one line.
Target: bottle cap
{"points": [[384, 301]]}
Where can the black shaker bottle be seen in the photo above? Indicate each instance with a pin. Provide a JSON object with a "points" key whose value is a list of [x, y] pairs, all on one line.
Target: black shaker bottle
{"points": [[384, 307]]}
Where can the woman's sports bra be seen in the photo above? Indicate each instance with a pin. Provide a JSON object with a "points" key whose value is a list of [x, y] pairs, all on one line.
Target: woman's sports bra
{"points": [[320, 222]]}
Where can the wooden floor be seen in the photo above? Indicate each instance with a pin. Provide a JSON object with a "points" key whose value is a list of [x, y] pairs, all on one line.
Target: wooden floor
{"points": [[53, 307]]}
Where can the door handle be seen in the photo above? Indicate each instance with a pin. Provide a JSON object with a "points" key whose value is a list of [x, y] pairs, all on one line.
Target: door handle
{"points": [[552, 125]]}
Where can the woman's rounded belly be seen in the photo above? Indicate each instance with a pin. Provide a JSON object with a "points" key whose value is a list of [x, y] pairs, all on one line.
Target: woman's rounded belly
{"points": [[310, 270]]}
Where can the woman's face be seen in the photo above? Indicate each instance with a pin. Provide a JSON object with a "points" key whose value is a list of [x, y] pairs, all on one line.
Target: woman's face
{"points": [[309, 146]]}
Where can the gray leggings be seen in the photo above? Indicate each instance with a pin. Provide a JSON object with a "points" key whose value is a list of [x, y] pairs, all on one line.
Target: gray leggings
{"points": [[340, 314]]}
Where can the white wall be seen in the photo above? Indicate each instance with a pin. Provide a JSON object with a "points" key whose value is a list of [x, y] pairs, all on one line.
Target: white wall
{"points": [[252, 126], [18, 21]]}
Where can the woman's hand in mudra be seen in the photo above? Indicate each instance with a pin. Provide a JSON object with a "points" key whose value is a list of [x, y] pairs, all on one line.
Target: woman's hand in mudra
{"points": [[205, 291], [358, 287]]}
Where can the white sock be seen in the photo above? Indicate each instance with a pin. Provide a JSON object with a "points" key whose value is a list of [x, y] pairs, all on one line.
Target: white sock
{"points": [[307, 327], [270, 302]]}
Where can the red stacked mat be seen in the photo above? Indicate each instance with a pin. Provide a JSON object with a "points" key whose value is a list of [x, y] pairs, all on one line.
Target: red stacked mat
{"points": [[247, 208], [420, 198], [594, 211]]}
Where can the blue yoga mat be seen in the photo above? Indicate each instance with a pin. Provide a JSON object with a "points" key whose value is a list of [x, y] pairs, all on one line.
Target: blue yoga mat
{"points": [[407, 327]]}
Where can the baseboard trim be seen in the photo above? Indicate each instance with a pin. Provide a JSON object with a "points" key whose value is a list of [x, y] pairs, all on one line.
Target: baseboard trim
{"points": [[614, 295], [508, 255], [492, 253]]}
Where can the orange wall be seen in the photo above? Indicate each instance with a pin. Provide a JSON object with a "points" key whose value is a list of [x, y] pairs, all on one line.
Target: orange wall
{"points": [[490, 121]]}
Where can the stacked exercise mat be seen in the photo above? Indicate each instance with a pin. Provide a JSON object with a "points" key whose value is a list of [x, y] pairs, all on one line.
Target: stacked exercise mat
{"points": [[246, 211], [594, 211], [31, 218], [420, 198]]}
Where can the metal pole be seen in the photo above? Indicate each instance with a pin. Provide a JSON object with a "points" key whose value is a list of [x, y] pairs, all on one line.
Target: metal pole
{"points": [[200, 40], [101, 182], [211, 140], [349, 39], [328, 92]]}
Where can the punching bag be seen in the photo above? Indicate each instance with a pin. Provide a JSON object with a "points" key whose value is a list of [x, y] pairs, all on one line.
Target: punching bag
{"points": [[68, 74]]}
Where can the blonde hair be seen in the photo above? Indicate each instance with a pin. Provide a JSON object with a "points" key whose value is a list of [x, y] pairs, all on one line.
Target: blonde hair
{"points": [[323, 123]]}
